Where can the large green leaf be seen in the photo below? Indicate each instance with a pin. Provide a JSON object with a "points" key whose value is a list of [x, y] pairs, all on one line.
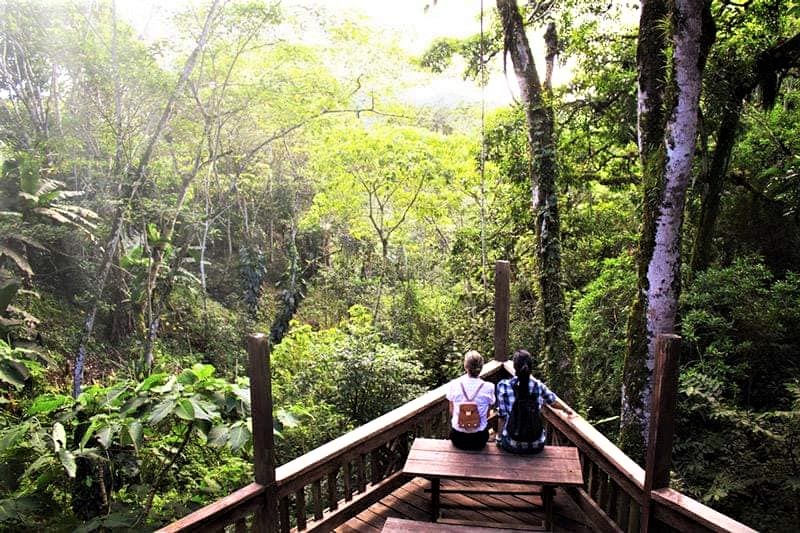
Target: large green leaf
{"points": [[187, 377], [133, 404], [184, 409], [166, 387], [218, 436], [152, 381], [47, 403], [134, 433], [203, 410], [104, 435], [14, 373], [238, 436], [98, 422], [68, 460], [162, 410]]}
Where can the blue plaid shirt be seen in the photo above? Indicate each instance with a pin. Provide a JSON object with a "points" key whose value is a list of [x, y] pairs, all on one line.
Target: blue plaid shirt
{"points": [[505, 399]]}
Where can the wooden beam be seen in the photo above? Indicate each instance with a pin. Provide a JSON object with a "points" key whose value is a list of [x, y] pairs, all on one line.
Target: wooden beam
{"points": [[502, 302], [600, 521], [361, 501], [266, 518], [662, 422], [223, 511], [695, 513]]}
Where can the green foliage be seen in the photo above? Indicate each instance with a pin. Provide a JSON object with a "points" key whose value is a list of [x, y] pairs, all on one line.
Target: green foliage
{"points": [[738, 425], [347, 368], [597, 326], [18, 366], [135, 428], [741, 317], [433, 321]]}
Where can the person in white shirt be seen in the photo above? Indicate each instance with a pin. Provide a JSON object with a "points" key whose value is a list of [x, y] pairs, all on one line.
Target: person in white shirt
{"points": [[470, 399]]}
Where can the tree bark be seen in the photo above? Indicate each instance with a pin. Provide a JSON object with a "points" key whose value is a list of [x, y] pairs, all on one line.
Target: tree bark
{"points": [[666, 167], [557, 356]]}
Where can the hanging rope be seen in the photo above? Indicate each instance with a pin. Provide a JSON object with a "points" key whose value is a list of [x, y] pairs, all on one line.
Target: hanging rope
{"points": [[482, 71]]}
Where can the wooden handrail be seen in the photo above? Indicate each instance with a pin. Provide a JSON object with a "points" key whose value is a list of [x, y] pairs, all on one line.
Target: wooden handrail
{"points": [[612, 498], [356, 440], [226, 510], [698, 513], [585, 436], [671, 507], [293, 478]]}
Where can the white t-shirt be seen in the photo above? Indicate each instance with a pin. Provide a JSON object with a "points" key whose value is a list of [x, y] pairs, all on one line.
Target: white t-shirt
{"points": [[484, 399]]}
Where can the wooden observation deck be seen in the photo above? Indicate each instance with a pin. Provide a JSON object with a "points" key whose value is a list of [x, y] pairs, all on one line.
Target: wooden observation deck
{"points": [[355, 482]]}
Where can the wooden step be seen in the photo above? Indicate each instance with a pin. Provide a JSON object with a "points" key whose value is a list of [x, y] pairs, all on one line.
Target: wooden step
{"points": [[400, 525]]}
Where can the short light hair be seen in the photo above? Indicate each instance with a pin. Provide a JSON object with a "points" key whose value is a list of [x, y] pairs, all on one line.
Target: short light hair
{"points": [[473, 363]]}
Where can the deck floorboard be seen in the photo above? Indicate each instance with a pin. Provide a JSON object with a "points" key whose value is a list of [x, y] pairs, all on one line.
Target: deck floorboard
{"points": [[412, 503]]}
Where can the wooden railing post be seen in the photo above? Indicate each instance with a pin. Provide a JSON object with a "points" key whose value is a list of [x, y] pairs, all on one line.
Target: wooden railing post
{"points": [[502, 302], [662, 422], [266, 518]]}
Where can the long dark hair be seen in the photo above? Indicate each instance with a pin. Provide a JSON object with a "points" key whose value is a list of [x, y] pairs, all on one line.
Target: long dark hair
{"points": [[522, 366]]}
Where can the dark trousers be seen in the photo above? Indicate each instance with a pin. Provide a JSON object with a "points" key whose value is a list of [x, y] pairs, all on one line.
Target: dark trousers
{"points": [[469, 441]]}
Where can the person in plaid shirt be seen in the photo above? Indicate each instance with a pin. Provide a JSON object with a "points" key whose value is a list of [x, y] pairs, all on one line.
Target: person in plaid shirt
{"points": [[507, 390]]}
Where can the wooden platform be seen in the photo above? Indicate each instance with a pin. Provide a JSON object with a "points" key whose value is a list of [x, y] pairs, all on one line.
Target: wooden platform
{"points": [[412, 502]]}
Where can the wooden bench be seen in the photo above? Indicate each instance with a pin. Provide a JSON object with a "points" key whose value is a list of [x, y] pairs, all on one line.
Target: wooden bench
{"points": [[401, 525], [438, 459]]}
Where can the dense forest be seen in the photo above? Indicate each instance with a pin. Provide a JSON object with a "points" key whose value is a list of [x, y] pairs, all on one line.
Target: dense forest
{"points": [[264, 169]]}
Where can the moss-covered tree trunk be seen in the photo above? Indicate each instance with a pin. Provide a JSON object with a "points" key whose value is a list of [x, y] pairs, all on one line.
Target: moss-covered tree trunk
{"points": [[666, 167], [713, 182], [558, 348], [741, 76]]}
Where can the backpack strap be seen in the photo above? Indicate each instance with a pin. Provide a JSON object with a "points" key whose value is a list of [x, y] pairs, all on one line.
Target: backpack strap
{"points": [[474, 395]]}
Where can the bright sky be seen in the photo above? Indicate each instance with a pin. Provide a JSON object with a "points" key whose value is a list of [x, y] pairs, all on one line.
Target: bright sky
{"points": [[409, 21]]}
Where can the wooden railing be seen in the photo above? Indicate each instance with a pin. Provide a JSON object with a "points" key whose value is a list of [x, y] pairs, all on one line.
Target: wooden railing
{"points": [[333, 483], [613, 496], [620, 496]]}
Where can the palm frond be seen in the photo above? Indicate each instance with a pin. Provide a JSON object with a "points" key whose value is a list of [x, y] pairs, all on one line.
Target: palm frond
{"points": [[47, 185], [27, 240], [82, 211], [30, 197], [20, 261]]}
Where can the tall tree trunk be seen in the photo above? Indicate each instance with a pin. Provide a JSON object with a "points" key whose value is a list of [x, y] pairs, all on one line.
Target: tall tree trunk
{"points": [[137, 178], [713, 182], [666, 169], [558, 347], [160, 297]]}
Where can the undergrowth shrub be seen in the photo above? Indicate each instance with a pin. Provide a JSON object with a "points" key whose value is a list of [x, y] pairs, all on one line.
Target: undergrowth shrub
{"points": [[738, 426], [598, 329]]}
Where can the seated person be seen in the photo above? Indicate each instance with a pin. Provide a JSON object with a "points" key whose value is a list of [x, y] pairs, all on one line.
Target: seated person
{"points": [[470, 399], [519, 402]]}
